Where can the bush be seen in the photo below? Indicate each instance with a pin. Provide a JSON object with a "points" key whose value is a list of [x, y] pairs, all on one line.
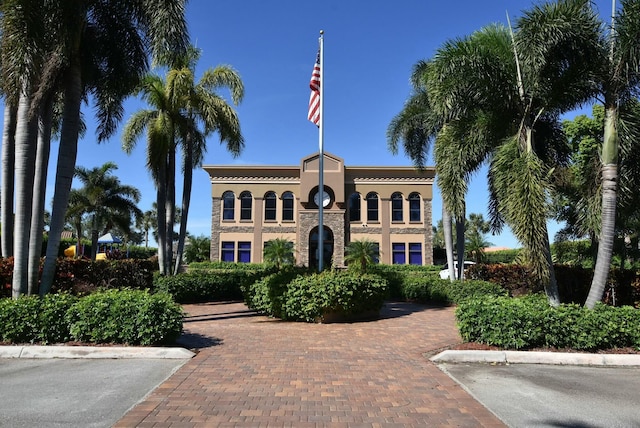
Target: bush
{"points": [[434, 289], [266, 295], [130, 317], [343, 294], [529, 322], [31, 319]]}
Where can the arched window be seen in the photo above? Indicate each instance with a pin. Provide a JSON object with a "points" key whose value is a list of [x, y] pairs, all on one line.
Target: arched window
{"points": [[372, 206], [246, 201], [270, 206], [287, 206], [354, 207], [414, 207], [396, 207], [228, 205]]}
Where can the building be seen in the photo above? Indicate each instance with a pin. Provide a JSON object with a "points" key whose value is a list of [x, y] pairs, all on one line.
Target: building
{"points": [[388, 205]]}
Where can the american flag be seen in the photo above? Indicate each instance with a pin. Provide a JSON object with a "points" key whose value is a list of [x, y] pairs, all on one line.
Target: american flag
{"points": [[314, 100]]}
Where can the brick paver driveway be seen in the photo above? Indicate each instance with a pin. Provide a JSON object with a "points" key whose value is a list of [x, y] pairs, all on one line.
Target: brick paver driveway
{"points": [[255, 371]]}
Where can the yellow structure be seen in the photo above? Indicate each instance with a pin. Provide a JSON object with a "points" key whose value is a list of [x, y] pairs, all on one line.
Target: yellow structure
{"points": [[254, 204]]}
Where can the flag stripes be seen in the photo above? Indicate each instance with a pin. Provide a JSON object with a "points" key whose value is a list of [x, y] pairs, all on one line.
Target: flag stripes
{"points": [[314, 99]]}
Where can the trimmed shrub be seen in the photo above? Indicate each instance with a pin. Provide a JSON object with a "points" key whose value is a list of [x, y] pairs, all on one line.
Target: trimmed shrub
{"points": [[31, 319], [312, 297], [266, 295], [529, 322], [432, 288], [208, 285], [130, 317]]}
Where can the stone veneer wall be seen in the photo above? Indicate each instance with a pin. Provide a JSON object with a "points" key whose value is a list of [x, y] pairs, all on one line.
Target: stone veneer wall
{"points": [[216, 211], [428, 232], [334, 220]]}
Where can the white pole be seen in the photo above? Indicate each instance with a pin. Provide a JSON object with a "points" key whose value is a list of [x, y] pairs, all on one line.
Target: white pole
{"points": [[321, 160]]}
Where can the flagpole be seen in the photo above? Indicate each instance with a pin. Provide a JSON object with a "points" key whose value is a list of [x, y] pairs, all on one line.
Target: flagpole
{"points": [[321, 160]]}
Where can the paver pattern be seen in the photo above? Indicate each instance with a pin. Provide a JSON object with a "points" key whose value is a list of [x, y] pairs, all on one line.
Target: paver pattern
{"points": [[254, 371]]}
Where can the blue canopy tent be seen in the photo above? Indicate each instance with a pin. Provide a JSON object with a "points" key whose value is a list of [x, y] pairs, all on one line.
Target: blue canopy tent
{"points": [[107, 240]]}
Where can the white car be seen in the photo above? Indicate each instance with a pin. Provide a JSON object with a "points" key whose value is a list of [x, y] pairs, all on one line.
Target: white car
{"points": [[444, 273]]}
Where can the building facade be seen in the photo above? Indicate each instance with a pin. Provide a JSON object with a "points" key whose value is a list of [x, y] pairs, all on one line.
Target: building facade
{"points": [[388, 205]]}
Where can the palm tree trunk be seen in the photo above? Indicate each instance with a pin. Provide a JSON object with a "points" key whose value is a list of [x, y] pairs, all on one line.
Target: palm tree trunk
{"points": [[607, 235], [26, 134], [460, 248], [8, 170], [161, 198], [609, 195], [448, 241], [39, 191], [170, 205], [551, 288], [186, 200], [64, 173], [94, 237]]}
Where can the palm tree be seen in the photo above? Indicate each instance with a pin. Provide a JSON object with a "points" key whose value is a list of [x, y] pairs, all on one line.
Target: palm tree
{"points": [[180, 107], [146, 224], [197, 249], [102, 48], [203, 104], [359, 254], [75, 215], [278, 252], [106, 201], [494, 91], [619, 80]]}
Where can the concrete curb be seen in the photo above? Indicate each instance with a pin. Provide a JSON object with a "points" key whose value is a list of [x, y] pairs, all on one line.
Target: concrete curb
{"points": [[532, 357], [105, 352]]}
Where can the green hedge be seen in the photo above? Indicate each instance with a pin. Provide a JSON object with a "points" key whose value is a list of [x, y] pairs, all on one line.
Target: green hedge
{"points": [[434, 289], [529, 322], [132, 317], [209, 285]]}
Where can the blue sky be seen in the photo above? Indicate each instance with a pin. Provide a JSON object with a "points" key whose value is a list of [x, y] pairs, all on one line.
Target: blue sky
{"points": [[370, 48]]}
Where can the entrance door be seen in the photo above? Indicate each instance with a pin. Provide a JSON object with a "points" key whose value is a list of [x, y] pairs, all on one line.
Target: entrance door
{"points": [[313, 247]]}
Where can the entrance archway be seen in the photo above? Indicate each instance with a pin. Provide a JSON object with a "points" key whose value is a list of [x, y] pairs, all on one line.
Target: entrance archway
{"points": [[313, 247]]}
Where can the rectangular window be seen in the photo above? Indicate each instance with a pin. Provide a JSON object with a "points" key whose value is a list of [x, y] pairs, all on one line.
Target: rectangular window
{"points": [[227, 251], [376, 258], [372, 209], [287, 209], [398, 254], [414, 208], [396, 209], [244, 252], [270, 208], [415, 253]]}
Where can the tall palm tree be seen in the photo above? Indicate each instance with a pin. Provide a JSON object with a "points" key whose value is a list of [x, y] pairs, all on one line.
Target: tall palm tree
{"points": [[620, 81], [202, 104], [106, 200], [494, 91], [102, 49], [146, 224], [160, 123], [184, 113]]}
